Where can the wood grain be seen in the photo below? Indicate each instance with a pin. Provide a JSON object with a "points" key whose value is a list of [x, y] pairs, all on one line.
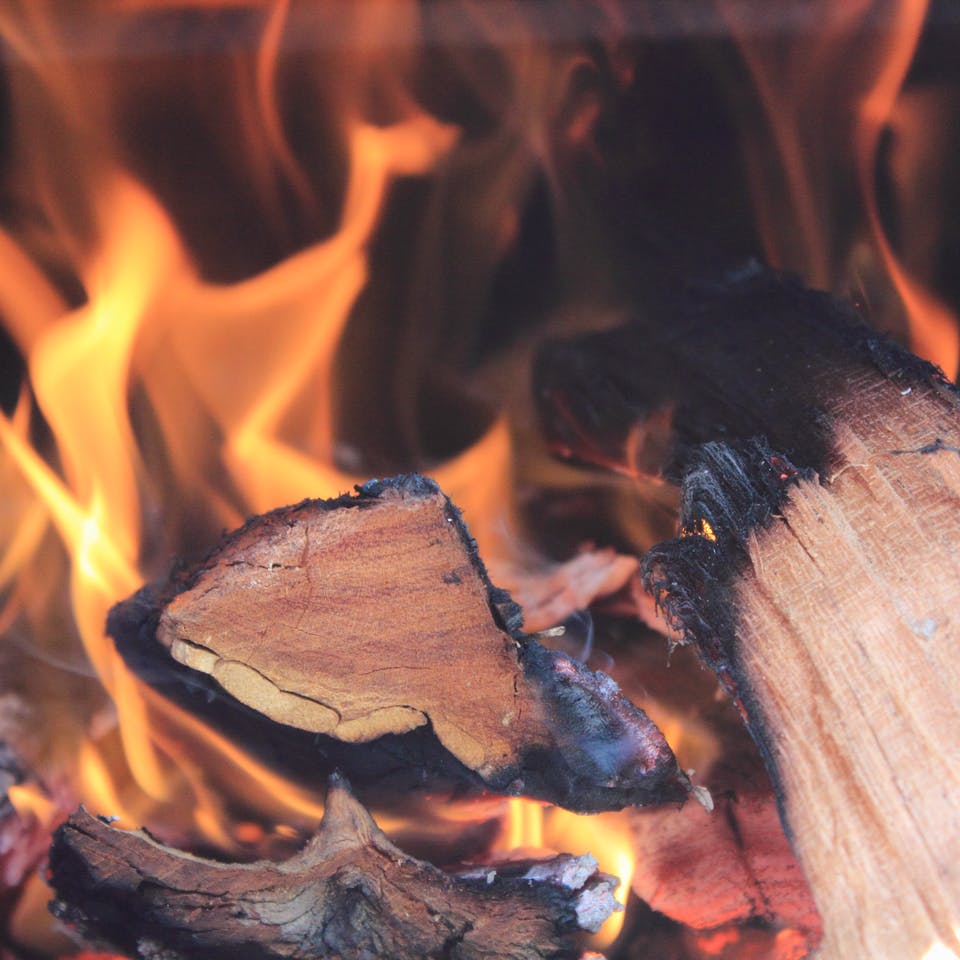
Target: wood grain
{"points": [[349, 893], [817, 571], [372, 616]]}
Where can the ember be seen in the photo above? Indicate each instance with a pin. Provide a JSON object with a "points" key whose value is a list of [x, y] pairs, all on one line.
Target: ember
{"points": [[256, 252]]}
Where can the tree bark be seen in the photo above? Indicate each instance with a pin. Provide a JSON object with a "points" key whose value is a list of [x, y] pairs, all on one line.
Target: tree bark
{"points": [[348, 893], [368, 619], [817, 571]]}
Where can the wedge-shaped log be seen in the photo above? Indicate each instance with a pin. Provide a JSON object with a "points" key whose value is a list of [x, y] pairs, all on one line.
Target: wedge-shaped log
{"points": [[818, 571], [372, 616], [349, 893]]}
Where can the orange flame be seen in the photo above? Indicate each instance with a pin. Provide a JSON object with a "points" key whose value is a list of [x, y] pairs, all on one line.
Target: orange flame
{"points": [[828, 97], [236, 380], [533, 828]]}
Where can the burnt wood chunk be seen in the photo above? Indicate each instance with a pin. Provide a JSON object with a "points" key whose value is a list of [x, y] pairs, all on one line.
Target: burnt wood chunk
{"points": [[817, 570], [748, 354], [349, 893], [372, 616]]}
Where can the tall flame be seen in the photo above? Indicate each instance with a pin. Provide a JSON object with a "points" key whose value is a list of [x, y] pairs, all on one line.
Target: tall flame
{"points": [[178, 381], [830, 93], [232, 384]]}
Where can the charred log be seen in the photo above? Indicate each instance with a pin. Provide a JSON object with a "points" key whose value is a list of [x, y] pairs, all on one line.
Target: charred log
{"points": [[817, 571], [372, 617], [726, 877], [751, 354], [348, 893]]}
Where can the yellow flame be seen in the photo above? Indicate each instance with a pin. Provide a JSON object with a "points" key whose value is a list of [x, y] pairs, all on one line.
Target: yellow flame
{"points": [[534, 828], [524, 828], [29, 800], [607, 837]]}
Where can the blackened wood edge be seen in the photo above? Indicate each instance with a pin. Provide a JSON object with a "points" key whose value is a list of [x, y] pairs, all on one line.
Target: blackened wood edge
{"points": [[348, 893], [748, 353], [605, 753], [727, 494]]}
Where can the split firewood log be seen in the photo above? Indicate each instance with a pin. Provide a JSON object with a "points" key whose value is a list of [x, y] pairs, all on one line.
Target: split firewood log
{"points": [[726, 875], [817, 571], [349, 893], [372, 617]]}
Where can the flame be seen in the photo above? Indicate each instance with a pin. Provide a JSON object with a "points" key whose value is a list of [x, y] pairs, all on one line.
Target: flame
{"points": [[233, 385], [934, 329], [524, 827], [29, 800], [532, 828], [828, 97]]}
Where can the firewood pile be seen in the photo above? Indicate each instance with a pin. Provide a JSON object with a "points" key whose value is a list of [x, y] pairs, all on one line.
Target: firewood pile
{"points": [[362, 643]]}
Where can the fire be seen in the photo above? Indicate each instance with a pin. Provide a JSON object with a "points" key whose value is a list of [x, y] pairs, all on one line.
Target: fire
{"points": [[532, 828], [828, 99], [177, 381], [235, 381]]}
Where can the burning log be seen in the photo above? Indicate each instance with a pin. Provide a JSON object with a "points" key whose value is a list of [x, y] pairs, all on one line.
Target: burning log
{"points": [[727, 868], [348, 893], [372, 617], [816, 572], [722, 875]]}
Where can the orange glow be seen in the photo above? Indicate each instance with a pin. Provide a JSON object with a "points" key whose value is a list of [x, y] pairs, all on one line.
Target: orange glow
{"points": [[699, 528], [714, 943], [29, 800], [828, 97], [696, 746], [533, 829]]}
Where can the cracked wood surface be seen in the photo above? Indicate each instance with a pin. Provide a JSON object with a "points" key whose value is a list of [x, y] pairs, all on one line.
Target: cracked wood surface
{"points": [[848, 633], [350, 893], [818, 571], [341, 622], [372, 615]]}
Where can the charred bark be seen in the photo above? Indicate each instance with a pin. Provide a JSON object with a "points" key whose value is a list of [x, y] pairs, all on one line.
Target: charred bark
{"points": [[348, 893], [817, 570]]}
